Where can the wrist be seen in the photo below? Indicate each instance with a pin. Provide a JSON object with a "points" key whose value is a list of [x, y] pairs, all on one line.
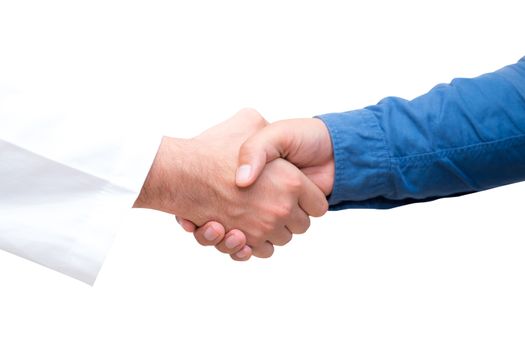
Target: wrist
{"points": [[160, 189]]}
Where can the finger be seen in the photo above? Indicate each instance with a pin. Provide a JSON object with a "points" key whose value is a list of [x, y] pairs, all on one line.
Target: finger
{"points": [[233, 242], [247, 118], [187, 225], [312, 200], [263, 250], [263, 147], [210, 233], [281, 238], [299, 221], [243, 255]]}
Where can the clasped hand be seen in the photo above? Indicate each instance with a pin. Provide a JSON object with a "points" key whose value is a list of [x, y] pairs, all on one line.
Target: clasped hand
{"points": [[244, 185]]}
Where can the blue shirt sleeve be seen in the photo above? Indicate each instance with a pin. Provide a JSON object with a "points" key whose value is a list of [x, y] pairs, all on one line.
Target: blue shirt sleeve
{"points": [[459, 138]]}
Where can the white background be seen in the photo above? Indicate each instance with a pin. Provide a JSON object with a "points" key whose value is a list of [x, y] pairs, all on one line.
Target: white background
{"points": [[442, 275]]}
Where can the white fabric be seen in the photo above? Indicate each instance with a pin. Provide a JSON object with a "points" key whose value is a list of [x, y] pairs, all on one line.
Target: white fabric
{"points": [[65, 176]]}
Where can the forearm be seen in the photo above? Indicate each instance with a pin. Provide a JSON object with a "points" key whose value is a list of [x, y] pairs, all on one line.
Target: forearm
{"points": [[458, 138]]}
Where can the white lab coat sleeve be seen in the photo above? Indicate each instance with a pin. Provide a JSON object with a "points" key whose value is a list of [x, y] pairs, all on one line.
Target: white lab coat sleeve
{"points": [[67, 173]]}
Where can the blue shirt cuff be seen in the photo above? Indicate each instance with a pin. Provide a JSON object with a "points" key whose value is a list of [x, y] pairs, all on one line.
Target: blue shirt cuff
{"points": [[362, 160]]}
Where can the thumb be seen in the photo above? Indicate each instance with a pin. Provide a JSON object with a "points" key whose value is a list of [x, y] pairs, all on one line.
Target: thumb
{"points": [[261, 148]]}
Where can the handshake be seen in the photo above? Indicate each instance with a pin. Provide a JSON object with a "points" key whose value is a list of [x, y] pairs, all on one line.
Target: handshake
{"points": [[244, 185]]}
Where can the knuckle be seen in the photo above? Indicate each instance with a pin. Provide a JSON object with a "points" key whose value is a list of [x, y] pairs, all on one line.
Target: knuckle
{"points": [[267, 224], [202, 242], [249, 111], [307, 222], [323, 207], [255, 239], [200, 239], [264, 254], [294, 182], [264, 250], [222, 248], [304, 227], [283, 211], [236, 258], [282, 240], [255, 116], [296, 185], [269, 253]]}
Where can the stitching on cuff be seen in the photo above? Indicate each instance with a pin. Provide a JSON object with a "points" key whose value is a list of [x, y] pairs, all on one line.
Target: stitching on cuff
{"points": [[389, 158], [334, 133]]}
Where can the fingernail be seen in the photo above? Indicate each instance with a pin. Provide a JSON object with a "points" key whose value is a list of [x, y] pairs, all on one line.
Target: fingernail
{"points": [[232, 242], [242, 254], [210, 234], [243, 173]]}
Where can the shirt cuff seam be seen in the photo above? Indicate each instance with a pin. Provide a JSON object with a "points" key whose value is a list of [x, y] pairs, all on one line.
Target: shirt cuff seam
{"points": [[389, 159], [362, 160]]}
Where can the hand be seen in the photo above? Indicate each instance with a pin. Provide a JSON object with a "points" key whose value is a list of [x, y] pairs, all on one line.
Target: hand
{"points": [[306, 143], [303, 142], [195, 179]]}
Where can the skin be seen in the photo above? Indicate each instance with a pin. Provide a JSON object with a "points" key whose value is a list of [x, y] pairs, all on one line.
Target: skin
{"points": [[194, 179], [304, 142]]}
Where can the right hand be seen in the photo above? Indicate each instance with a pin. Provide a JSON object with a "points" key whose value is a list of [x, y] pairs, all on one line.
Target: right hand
{"points": [[194, 179], [304, 142]]}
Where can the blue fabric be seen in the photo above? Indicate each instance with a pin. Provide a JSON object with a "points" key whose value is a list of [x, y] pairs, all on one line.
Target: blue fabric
{"points": [[459, 138]]}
